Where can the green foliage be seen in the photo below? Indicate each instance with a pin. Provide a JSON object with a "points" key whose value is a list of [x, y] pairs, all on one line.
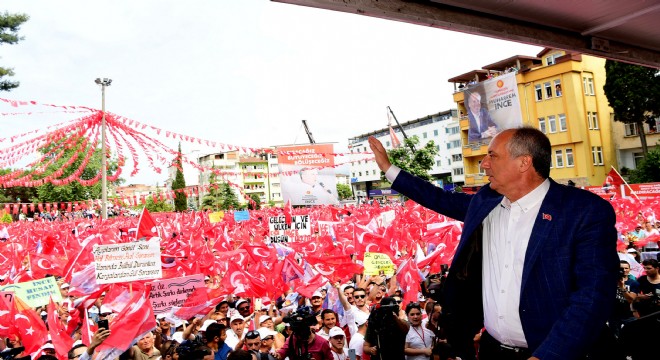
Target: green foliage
{"points": [[344, 191], [157, 206], [418, 163], [13, 194], [180, 199], [633, 92], [9, 26], [648, 169], [6, 219], [257, 202], [220, 196]]}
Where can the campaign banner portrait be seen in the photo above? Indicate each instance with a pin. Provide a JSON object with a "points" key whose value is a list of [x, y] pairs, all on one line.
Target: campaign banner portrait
{"points": [[492, 106], [307, 174], [138, 260], [36, 293]]}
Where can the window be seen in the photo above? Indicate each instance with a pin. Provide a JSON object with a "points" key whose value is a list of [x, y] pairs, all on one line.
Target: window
{"points": [[559, 158], [373, 172], [562, 122], [353, 175], [558, 91], [360, 173], [631, 129], [456, 143], [539, 93], [588, 83], [550, 60], [542, 125], [637, 158], [548, 90], [552, 123], [592, 117], [481, 170], [437, 147], [457, 157], [438, 163], [435, 132], [570, 162], [597, 155], [448, 145], [457, 171], [424, 135]]}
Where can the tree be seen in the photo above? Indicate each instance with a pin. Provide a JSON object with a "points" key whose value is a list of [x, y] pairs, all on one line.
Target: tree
{"points": [[634, 93], [157, 206], [648, 169], [16, 193], [9, 26], [418, 163], [257, 202], [220, 196], [179, 183], [344, 191]]}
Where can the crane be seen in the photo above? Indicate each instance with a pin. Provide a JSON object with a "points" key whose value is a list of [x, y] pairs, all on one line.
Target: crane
{"points": [[309, 133]]}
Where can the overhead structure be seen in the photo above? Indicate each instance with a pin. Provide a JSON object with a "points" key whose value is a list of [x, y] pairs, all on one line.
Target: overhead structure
{"points": [[309, 133], [626, 31]]}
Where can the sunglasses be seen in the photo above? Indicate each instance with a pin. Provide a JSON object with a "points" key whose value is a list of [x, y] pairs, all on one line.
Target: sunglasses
{"points": [[252, 334], [269, 338], [359, 296], [338, 337], [244, 308]]}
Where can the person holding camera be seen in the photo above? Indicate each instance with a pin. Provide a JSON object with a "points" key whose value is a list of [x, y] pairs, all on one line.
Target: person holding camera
{"points": [[386, 333], [419, 340], [303, 343]]}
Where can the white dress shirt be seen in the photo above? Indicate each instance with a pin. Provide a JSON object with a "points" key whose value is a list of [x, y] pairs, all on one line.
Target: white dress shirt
{"points": [[506, 235]]}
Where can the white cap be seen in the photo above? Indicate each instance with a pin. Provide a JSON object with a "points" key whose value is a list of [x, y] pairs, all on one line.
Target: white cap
{"points": [[206, 324], [335, 331], [236, 317], [263, 318], [207, 277], [361, 317], [239, 302], [317, 293], [161, 316], [105, 309], [48, 346], [43, 313], [265, 332], [64, 286], [632, 250]]}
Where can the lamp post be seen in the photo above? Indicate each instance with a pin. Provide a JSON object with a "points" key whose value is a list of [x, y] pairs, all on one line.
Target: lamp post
{"points": [[104, 164]]}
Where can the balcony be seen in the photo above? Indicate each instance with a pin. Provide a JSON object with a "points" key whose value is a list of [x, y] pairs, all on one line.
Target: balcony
{"points": [[475, 149], [476, 179]]}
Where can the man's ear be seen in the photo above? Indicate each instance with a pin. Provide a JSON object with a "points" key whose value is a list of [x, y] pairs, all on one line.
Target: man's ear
{"points": [[526, 163]]}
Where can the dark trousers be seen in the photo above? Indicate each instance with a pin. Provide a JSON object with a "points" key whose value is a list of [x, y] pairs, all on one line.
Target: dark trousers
{"points": [[491, 349]]}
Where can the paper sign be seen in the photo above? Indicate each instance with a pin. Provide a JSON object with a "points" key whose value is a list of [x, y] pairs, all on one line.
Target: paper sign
{"points": [[173, 292], [280, 231], [138, 260], [243, 215], [216, 217], [378, 264], [37, 292]]}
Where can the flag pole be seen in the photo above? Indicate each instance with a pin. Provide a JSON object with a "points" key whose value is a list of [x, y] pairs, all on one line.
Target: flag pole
{"points": [[625, 182]]}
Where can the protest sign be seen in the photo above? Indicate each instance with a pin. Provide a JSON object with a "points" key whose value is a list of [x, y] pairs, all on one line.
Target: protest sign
{"points": [[37, 292], [378, 264], [280, 231], [242, 215], [173, 292], [216, 217], [127, 262]]}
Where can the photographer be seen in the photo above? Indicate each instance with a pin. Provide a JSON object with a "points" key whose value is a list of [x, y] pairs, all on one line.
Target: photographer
{"points": [[303, 343], [386, 333]]}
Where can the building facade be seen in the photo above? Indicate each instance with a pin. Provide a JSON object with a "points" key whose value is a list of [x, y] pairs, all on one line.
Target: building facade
{"points": [[442, 128], [560, 93]]}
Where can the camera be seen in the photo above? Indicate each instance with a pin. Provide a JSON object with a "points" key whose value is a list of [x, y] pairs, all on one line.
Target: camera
{"points": [[432, 286], [300, 321]]}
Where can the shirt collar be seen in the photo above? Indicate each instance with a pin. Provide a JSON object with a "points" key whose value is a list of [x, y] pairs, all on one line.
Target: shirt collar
{"points": [[531, 199]]}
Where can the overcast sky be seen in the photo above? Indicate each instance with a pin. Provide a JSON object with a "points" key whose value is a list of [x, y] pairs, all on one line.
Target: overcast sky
{"points": [[241, 72]]}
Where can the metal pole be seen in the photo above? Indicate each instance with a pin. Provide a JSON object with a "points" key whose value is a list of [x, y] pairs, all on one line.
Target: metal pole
{"points": [[104, 164]]}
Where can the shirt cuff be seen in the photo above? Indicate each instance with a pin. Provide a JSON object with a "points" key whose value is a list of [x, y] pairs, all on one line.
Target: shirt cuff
{"points": [[392, 173]]}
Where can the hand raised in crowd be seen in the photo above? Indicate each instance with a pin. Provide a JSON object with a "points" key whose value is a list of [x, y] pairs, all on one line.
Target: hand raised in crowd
{"points": [[380, 153], [97, 339]]}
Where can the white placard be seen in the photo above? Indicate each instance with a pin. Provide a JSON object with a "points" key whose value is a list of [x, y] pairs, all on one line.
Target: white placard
{"points": [[132, 261]]}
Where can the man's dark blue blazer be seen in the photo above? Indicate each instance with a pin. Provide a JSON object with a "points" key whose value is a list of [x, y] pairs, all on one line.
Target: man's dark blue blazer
{"points": [[570, 270]]}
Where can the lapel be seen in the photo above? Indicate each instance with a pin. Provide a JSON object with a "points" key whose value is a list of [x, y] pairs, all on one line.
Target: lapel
{"points": [[480, 206], [543, 228]]}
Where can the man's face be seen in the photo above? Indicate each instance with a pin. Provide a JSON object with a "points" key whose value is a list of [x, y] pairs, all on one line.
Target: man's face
{"points": [[253, 344], [309, 176], [164, 324], [237, 326], [329, 320], [146, 343], [650, 270], [337, 342], [626, 269], [268, 324], [360, 298], [382, 291], [349, 295], [502, 170], [474, 103], [268, 341], [77, 353], [317, 301], [224, 308], [244, 309]]}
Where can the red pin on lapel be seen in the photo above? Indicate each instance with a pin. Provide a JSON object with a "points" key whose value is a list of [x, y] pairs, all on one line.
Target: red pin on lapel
{"points": [[545, 216]]}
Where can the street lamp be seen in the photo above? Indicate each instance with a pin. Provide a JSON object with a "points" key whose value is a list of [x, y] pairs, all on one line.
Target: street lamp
{"points": [[104, 165]]}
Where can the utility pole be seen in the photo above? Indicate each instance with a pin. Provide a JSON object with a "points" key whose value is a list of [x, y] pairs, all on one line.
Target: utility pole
{"points": [[104, 163]]}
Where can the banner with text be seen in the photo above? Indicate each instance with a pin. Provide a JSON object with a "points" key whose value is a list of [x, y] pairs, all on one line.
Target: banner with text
{"points": [[280, 231], [378, 264], [173, 292], [127, 262], [308, 174], [37, 292], [492, 106]]}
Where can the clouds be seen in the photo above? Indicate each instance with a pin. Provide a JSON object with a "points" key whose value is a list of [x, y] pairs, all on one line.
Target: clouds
{"points": [[239, 72]]}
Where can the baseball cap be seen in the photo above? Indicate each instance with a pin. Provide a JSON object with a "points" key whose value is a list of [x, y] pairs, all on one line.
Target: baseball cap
{"points": [[317, 294], [64, 286], [631, 250], [105, 309], [239, 302], [206, 324], [336, 331], [361, 317], [263, 318], [236, 317], [265, 332]]}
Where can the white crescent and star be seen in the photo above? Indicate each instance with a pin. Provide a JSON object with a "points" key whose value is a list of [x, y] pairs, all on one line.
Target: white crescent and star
{"points": [[40, 264]]}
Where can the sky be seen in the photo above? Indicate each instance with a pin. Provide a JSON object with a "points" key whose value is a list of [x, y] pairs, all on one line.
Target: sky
{"points": [[240, 72]]}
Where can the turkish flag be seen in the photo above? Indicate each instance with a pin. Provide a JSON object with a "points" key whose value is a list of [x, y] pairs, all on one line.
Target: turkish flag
{"points": [[6, 313], [613, 179], [29, 326], [58, 335], [307, 289], [146, 226], [394, 139], [408, 278], [43, 264]]}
